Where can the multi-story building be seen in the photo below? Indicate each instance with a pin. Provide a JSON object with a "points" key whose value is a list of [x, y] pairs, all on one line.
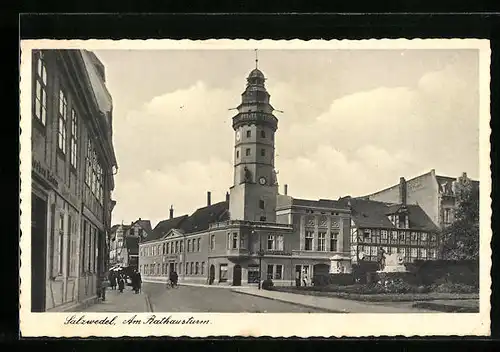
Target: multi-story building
{"points": [[73, 164], [396, 228], [433, 193], [255, 233], [117, 249]]}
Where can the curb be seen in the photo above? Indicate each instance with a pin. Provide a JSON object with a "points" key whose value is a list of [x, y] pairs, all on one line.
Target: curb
{"points": [[445, 308], [326, 310]]}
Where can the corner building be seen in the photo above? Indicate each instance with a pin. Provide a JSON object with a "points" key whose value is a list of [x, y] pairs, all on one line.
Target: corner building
{"points": [[256, 233], [73, 165]]}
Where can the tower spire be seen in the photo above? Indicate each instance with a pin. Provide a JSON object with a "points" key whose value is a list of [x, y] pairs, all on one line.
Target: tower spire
{"points": [[256, 59]]}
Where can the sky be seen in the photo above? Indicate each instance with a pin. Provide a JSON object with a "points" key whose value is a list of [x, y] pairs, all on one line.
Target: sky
{"points": [[352, 121]]}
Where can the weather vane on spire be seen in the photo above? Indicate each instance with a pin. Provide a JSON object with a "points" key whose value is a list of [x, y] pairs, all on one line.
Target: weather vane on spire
{"points": [[256, 59]]}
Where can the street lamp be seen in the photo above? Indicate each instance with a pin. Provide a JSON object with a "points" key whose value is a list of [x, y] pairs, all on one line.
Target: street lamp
{"points": [[260, 253]]}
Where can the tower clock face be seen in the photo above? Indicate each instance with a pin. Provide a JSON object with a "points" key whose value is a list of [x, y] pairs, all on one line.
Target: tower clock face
{"points": [[262, 180], [238, 135]]}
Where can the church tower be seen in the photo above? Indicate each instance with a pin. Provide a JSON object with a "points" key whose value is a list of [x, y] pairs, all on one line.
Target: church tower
{"points": [[255, 188]]}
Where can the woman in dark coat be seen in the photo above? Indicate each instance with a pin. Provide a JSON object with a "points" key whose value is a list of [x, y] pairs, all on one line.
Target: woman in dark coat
{"points": [[112, 280], [138, 281]]}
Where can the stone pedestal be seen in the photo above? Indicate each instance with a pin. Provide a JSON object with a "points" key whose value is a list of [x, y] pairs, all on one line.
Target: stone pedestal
{"points": [[340, 265], [394, 263]]}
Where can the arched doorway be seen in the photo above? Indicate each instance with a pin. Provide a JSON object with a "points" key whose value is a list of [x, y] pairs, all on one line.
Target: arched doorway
{"points": [[211, 275], [237, 275]]}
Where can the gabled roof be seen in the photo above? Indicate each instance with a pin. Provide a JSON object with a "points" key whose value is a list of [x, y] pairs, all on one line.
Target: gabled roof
{"points": [[322, 203], [372, 214], [394, 209], [202, 217], [146, 225], [132, 244], [163, 227]]}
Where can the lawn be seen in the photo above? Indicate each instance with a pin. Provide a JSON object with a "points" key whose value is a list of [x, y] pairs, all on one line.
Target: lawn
{"points": [[340, 292]]}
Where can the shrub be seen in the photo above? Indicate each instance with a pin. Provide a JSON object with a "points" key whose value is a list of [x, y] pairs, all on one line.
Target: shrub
{"points": [[267, 284], [449, 287]]}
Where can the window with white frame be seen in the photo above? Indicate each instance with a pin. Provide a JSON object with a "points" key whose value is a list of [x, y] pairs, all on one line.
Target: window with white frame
{"points": [[414, 252], [383, 235], [333, 241], [74, 139], [278, 272], [60, 262], [270, 242], [280, 245], [423, 253], [62, 119], [242, 240], [40, 96], [309, 240], [321, 241], [234, 241]]}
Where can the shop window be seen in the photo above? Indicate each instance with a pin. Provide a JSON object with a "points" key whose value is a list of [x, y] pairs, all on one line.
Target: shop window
{"points": [[278, 272], [270, 271], [253, 273], [223, 273]]}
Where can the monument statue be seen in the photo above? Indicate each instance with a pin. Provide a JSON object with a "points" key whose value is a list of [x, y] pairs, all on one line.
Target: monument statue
{"points": [[381, 259], [394, 263]]}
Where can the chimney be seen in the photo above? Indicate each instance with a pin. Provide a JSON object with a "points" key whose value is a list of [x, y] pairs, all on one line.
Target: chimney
{"points": [[171, 212], [402, 190], [209, 198], [227, 196], [286, 190]]}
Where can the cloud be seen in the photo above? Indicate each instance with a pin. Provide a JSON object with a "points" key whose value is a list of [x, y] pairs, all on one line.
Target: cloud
{"points": [[180, 144]]}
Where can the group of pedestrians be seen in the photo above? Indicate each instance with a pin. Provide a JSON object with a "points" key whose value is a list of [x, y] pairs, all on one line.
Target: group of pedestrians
{"points": [[119, 279]]}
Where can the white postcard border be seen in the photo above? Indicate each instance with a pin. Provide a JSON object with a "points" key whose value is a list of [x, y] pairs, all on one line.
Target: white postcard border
{"points": [[255, 324]]}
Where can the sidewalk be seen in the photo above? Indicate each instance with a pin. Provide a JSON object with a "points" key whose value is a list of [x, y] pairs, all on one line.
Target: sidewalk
{"points": [[126, 302], [188, 284], [333, 304]]}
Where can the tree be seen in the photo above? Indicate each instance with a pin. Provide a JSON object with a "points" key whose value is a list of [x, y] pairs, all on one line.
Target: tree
{"points": [[461, 238]]}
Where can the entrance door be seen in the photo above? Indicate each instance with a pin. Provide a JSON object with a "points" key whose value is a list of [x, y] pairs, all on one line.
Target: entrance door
{"points": [[237, 275], [38, 250], [211, 276], [171, 268]]}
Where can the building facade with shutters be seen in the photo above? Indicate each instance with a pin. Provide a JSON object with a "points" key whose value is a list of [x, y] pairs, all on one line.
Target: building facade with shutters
{"points": [[73, 165]]}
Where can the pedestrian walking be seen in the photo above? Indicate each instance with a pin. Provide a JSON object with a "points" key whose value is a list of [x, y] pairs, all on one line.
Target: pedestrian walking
{"points": [[138, 281], [121, 283], [112, 280]]}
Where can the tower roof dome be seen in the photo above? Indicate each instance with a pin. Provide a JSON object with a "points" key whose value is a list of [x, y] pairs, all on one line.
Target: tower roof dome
{"points": [[256, 73]]}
